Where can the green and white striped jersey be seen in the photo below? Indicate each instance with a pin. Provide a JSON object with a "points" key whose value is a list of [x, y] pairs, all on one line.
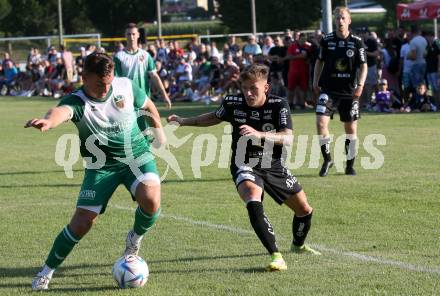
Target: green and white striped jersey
{"points": [[135, 66], [109, 123]]}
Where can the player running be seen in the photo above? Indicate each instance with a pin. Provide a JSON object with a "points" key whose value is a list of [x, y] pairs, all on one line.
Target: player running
{"points": [[104, 111], [261, 126], [339, 87]]}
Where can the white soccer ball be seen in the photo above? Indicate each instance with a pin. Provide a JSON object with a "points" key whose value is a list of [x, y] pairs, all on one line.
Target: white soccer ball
{"points": [[130, 272]]}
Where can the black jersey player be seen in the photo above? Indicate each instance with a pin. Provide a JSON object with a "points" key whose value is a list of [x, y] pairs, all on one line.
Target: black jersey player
{"points": [[340, 74], [261, 126]]}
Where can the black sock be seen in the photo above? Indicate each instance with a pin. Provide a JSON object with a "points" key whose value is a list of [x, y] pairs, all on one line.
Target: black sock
{"points": [[324, 142], [300, 228], [350, 152], [262, 226]]}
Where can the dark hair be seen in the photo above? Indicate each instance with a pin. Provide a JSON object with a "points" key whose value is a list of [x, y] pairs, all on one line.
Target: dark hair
{"points": [[130, 26], [99, 63]]}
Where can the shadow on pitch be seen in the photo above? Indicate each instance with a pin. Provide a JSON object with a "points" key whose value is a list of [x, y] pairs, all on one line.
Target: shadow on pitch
{"points": [[40, 185], [36, 172], [61, 272]]}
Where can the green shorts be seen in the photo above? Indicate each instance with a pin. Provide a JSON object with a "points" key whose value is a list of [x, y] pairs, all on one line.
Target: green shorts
{"points": [[99, 185]]}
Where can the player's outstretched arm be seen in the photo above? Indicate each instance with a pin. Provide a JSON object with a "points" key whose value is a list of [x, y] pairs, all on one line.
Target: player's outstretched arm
{"points": [[159, 85], [52, 119], [206, 119]]}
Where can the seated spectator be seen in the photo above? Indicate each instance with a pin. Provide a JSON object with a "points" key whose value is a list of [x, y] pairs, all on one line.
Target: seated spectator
{"points": [[10, 75], [231, 75], [421, 101], [183, 71]]}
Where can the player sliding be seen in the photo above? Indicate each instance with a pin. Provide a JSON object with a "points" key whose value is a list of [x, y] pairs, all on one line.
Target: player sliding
{"points": [[105, 109], [256, 116]]}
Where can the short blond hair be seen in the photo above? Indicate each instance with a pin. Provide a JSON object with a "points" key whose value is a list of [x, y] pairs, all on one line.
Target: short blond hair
{"points": [[340, 9], [255, 72]]}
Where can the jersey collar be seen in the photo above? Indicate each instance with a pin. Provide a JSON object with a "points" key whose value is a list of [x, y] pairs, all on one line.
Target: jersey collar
{"points": [[107, 96]]}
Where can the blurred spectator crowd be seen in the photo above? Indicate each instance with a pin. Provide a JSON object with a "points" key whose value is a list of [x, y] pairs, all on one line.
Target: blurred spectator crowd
{"points": [[403, 69]]}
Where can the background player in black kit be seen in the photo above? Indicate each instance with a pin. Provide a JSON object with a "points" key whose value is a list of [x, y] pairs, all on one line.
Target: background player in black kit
{"points": [[261, 125], [339, 86]]}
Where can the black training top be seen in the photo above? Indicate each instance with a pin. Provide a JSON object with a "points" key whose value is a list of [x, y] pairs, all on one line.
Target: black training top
{"points": [[342, 59], [273, 116]]}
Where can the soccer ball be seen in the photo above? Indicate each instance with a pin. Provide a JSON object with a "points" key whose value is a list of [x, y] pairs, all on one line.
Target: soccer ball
{"points": [[130, 272]]}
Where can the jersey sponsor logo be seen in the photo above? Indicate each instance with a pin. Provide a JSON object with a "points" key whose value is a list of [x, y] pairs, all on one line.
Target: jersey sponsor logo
{"points": [[220, 111], [268, 127], [341, 44], [283, 116], [119, 101], [240, 113], [331, 43], [241, 120], [342, 75], [87, 194], [255, 115], [362, 54], [332, 48], [341, 65], [350, 53], [274, 100], [267, 111], [267, 117]]}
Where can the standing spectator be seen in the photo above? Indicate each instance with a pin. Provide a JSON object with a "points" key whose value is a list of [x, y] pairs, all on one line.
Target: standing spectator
{"points": [[68, 62], [162, 52], [373, 52], [405, 68], [298, 77], [417, 47], [252, 47], [268, 44], [433, 66], [276, 54], [231, 75]]}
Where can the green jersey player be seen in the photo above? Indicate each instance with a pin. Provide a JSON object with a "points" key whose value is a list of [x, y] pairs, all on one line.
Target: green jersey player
{"points": [[104, 111], [137, 64]]}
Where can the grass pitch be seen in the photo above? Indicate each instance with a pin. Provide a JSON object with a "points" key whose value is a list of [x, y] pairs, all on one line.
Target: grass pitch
{"points": [[379, 231]]}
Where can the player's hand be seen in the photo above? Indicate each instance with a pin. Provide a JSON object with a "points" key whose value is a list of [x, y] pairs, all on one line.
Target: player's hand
{"points": [[41, 124], [246, 130], [167, 102], [175, 118], [358, 92]]}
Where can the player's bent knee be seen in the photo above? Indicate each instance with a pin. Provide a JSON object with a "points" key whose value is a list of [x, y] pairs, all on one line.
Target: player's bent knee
{"points": [[82, 221]]}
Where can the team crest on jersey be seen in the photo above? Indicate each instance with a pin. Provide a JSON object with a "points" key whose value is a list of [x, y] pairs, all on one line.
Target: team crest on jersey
{"points": [[119, 101], [141, 58], [350, 53]]}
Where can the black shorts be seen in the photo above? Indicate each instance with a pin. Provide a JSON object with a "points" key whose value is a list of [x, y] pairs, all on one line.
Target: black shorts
{"points": [[277, 180], [348, 108]]}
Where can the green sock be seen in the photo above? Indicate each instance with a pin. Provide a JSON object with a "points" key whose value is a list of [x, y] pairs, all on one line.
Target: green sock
{"points": [[61, 248], [143, 221]]}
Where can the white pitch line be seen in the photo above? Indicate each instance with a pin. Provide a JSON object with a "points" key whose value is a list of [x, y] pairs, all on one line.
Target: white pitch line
{"points": [[353, 255]]}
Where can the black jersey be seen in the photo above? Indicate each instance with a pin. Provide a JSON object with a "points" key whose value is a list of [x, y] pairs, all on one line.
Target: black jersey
{"points": [[342, 59], [273, 116]]}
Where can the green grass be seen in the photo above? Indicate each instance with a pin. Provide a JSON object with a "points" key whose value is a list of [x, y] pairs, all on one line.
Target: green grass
{"points": [[390, 216]]}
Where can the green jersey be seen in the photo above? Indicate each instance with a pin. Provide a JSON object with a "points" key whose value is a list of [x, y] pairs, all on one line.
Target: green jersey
{"points": [[109, 124], [135, 66]]}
